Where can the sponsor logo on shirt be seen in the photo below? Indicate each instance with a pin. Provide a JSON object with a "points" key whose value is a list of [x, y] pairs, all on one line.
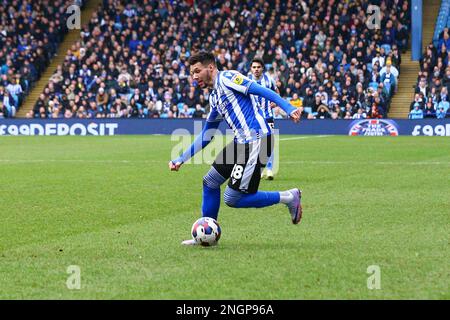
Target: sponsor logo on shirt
{"points": [[238, 79]]}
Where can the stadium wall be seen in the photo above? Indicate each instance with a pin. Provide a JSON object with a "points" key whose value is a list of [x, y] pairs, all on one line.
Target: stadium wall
{"points": [[104, 127]]}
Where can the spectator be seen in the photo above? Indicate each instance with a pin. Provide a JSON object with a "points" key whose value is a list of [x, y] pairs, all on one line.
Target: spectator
{"points": [[304, 114], [360, 114], [278, 113], [444, 105], [417, 100], [323, 112], [102, 99], [9, 109], [296, 101], [440, 112], [198, 113], [30, 34], [423, 87], [374, 112], [429, 111], [416, 113], [185, 112], [443, 96], [127, 47]]}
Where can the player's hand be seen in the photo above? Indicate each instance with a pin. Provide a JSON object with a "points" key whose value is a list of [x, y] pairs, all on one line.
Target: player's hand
{"points": [[272, 105], [295, 115], [175, 165]]}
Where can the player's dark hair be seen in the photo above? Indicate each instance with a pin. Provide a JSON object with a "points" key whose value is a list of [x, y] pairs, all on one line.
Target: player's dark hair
{"points": [[260, 61], [203, 57]]}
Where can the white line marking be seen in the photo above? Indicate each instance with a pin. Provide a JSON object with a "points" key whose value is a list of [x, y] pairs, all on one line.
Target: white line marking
{"points": [[310, 162], [301, 138], [384, 163]]}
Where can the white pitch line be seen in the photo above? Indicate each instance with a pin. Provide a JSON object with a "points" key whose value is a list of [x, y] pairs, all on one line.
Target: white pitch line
{"points": [[311, 162], [384, 163], [73, 160], [301, 138]]}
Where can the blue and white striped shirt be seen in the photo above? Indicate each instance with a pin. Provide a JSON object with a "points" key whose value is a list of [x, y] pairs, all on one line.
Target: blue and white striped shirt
{"points": [[230, 100], [268, 82]]}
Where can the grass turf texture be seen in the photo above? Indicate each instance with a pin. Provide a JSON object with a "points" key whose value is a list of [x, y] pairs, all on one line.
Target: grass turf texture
{"points": [[111, 206]]}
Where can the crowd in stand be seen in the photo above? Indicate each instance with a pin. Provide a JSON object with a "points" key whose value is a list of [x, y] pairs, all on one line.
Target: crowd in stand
{"points": [[431, 98], [30, 32], [330, 58]]}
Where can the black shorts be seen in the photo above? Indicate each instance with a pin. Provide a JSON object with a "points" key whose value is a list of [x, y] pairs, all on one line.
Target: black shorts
{"points": [[271, 123], [242, 163]]}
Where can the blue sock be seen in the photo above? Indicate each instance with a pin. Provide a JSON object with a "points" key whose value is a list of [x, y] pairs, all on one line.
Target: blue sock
{"points": [[211, 193], [269, 164], [260, 199], [211, 202]]}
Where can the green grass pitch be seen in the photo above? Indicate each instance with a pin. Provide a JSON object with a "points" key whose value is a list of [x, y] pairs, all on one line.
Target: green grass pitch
{"points": [[110, 206]]}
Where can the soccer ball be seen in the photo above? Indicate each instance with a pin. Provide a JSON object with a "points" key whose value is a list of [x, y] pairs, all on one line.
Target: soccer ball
{"points": [[206, 231]]}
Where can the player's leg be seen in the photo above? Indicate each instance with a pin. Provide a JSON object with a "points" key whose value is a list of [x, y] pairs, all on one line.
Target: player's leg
{"points": [[260, 199], [219, 173], [211, 193], [269, 166], [242, 190]]}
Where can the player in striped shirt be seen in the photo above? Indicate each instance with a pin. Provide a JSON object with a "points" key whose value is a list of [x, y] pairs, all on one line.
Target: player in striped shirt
{"points": [[264, 79], [242, 160]]}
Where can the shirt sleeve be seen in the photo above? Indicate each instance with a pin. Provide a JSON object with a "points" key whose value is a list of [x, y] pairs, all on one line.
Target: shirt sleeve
{"points": [[270, 95], [235, 81], [214, 116]]}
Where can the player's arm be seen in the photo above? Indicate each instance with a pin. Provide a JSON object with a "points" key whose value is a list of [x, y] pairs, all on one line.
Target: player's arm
{"points": [[270, 95], [239, 83], [200, 142]]}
